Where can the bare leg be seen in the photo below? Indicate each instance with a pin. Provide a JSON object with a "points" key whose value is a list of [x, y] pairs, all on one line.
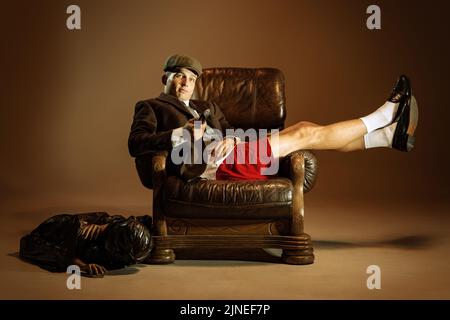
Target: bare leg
{"points": [[355, 145], [343, 136], [299, 124], [349, 135]]}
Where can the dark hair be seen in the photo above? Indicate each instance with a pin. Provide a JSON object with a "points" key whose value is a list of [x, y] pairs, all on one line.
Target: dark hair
{"points": [[128, 242]]}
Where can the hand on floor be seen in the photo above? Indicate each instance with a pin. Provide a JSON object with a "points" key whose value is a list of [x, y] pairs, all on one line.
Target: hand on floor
{"points": [[93, 270]]}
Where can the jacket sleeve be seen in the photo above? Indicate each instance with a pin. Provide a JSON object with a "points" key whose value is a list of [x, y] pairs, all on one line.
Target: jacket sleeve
{"points": [[144, 137], [218, 114]]}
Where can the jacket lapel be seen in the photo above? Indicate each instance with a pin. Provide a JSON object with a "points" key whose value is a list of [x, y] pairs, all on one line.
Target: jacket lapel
{"points": [[180, 106], [175, 102], [199, 107]]}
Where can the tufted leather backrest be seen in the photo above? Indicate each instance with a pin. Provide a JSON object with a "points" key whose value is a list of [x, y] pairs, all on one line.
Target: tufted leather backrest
{"points": [[249, 97]]}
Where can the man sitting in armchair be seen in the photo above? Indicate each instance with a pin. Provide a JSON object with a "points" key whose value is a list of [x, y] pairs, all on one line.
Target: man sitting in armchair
{"points": [[173, 119]]}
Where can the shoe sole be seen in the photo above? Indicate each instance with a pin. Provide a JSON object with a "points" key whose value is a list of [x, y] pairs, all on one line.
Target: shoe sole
{"points": [[413, 116], [413, 120]]}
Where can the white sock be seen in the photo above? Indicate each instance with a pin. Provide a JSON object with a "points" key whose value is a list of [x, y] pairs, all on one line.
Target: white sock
{"points": [[380, 117], [381, 137]]}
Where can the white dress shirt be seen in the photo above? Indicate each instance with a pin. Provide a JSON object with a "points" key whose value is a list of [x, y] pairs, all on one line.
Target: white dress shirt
{"points": [[209, 135]]}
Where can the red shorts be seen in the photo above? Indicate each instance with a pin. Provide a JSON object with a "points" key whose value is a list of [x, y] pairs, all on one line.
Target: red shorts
{"points": [[257, 156]]}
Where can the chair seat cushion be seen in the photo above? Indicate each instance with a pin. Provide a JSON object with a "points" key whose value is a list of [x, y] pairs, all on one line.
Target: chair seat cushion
{"points": [[258, 199]]}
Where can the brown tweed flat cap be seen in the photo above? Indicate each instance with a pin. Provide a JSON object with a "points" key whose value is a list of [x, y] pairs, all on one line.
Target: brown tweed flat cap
{"points": [[177, 61]]}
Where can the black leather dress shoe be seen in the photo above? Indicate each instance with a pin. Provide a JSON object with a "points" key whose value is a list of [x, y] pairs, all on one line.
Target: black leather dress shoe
{"points": [[400, 88], [400, 94], [404, 139]]}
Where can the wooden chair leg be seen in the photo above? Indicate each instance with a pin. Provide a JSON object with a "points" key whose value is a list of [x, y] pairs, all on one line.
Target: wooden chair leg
{"points": [[161, 256], [304, 256], [158, 254]]}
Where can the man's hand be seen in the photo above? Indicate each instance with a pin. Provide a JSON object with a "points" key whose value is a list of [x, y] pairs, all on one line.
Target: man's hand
{"points": [[223, 147], [195, 130], [92, 231], [93, 270], [90, 269]]}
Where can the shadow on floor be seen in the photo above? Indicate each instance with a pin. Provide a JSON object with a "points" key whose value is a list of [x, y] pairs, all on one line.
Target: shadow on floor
{"points": [[236, 257], [407, 242], [416, 242], [118, 272]]}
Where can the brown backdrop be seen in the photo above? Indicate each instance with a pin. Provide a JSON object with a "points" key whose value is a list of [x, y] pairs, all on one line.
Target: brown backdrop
{"points": [[67, 97]]}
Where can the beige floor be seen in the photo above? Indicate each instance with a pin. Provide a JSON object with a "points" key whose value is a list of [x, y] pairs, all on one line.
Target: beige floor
{"points": [[410, 243]]}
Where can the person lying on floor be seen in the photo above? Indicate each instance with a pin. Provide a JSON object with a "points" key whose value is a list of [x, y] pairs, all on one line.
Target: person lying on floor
{"points": [[163, 123], [96, 242]]}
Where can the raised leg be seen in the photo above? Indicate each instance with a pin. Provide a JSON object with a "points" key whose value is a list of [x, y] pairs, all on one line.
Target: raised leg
{"points": [[355, 145], [343, 136]]}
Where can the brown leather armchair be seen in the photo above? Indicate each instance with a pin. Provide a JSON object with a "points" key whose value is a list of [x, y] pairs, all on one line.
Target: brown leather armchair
{"points": [[234, 214]]}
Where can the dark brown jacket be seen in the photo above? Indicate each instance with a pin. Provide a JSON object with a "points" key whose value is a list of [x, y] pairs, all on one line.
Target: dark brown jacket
{"points": [[155, 119]]}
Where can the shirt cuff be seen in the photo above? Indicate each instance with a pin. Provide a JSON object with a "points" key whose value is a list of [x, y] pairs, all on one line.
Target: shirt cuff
{"points": [[177, 137], [236, 139]]}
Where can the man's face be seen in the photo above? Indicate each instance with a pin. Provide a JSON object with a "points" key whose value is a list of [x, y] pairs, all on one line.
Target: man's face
{"points": [[181, 84]]}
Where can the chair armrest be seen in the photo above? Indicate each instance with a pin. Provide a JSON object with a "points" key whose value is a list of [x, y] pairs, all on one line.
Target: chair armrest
{"points": [[289, 167], [159, 168], [150, 167]]}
